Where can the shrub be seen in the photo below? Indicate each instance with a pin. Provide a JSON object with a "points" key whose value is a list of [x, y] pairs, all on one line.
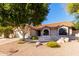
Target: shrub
{"points": [[34, 38], [77, 39], [7, 31], [53, 44], [21, 42], [1, 30]]}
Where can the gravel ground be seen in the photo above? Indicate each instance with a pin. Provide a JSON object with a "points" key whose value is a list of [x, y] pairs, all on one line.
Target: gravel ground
{"points": [[29, 49]]}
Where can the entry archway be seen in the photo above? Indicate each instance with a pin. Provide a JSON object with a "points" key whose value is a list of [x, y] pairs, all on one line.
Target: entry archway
{"points": [[45, 32]]}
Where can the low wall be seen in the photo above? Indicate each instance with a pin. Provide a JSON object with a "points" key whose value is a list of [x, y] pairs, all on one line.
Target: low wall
{"points": [[49, 38]]}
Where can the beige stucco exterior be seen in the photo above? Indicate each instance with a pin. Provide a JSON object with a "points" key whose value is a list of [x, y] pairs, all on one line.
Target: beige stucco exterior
{"points": [[70, 31], [55, 31], [52, 31]]}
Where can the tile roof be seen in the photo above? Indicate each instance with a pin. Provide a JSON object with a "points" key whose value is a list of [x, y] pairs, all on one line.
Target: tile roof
{"points": [[68, 24]]}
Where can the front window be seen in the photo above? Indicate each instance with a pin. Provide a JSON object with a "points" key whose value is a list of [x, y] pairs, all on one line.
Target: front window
{"points": [[62, 31]]}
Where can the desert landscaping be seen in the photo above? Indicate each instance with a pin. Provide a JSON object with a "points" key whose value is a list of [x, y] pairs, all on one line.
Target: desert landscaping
{"points": [[29, 49]]}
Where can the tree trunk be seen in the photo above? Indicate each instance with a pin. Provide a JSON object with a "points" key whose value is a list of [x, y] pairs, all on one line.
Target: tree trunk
{"points": [[24, 37], [25, 30]]}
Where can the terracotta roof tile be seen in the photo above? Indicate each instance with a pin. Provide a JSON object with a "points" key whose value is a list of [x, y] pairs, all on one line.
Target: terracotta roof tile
{"points": [[68, 24]]}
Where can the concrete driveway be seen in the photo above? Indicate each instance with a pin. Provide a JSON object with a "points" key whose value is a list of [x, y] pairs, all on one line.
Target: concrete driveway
{"points": [[29, 49], [67, 49]]}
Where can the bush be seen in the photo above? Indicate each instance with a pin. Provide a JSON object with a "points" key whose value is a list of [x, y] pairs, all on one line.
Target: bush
{"points": [[21, 42], [1, 30], [53, 44], [8, 30], [77, 39], [34, 38]]}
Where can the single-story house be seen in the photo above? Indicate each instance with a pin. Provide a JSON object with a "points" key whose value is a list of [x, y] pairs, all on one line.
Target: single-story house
{"points": [[53, 31]]}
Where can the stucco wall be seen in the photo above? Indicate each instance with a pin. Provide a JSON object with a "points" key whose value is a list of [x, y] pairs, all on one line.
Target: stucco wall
{"points": [[54, 32], [70, 31]]}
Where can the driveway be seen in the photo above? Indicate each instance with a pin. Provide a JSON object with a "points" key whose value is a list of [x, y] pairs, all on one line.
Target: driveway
{"points": [[67, 49], [7, 40], [29, 49]]}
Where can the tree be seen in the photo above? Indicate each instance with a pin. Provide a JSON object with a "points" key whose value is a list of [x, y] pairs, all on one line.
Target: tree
{"points": [[38, 12], [76, 25], [4, 13], [73, 8], [16, 14]]}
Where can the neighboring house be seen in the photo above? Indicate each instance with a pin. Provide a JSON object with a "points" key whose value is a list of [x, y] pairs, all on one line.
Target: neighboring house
{"points": [[53, 31]]}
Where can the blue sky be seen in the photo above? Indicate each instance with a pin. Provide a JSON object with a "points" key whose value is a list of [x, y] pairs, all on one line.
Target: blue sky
{"points": [[58, 13]]}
